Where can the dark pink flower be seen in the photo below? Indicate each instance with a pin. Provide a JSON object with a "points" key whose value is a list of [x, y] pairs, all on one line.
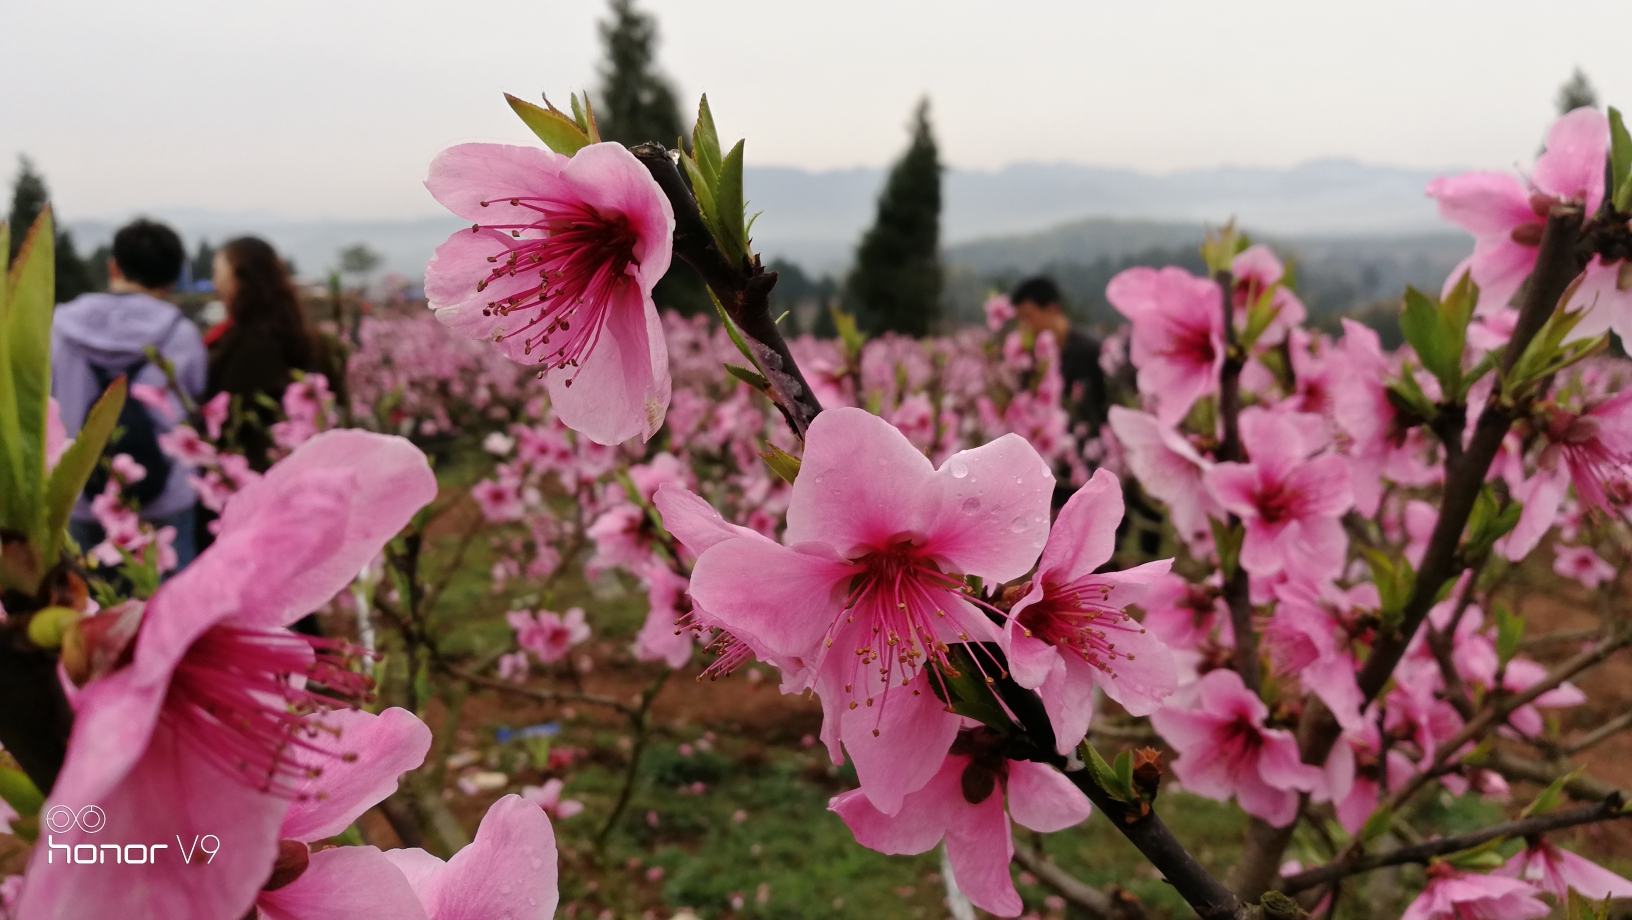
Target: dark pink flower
{"points": [[1596, 448], [1225, 749], [204, 731], [558, 270], [1178, 335], [1556, 871], [869, 586], [1292, 503], [1169, 469], [547, 635], [1506, 215], [1456, 895], [1583, 565], [1069, 634], [967, 811]]}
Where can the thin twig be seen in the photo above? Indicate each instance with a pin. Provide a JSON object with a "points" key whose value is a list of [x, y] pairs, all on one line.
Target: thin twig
{"points": [[542, 696], [1607, 810], [1095, 903], [1598, 735], [641, 724]]}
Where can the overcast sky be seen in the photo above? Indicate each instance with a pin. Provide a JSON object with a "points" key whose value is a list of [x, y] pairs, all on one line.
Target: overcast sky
{"points": [[313, 108]]}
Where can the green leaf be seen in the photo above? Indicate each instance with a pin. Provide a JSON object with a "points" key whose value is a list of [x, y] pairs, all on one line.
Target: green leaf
{"points": [[781, 462], [76, 464], [1620, 162], [1406, 394], [1394, 582], [1547, 799], [705, 144], [1377, 825], [849, 333], [962, 687], [1228, 541], [702, 189], [752, 378], [1439, 331], [583, 116], [20, 792], [732, 331], [1259, 316], [1221, 248], [1509, 632], [1489, 522], [1110, 778], [1123, 765], [558, 132], [25, 393], [730, 208]]}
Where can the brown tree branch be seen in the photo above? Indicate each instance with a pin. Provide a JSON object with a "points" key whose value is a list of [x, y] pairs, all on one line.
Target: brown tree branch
{"points": [[743, 290], [1608, 810], [1557, 264]]}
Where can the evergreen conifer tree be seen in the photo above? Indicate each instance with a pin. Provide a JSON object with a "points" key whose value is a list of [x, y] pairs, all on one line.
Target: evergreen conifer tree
{"points": [[637, 104], [1576, 93], [28, 198], [896, 282]]}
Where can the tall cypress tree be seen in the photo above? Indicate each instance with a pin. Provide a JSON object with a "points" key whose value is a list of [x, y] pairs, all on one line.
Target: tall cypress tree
{"points": [[896, 282], [1576, 93], [28, 198], [637, 101], [637, 104]]}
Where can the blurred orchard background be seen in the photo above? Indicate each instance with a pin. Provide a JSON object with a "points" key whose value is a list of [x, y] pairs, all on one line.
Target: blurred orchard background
{"points": [[909, 161]]}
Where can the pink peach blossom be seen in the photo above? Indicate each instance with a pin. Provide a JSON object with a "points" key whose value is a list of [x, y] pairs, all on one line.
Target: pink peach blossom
{"points": [[868, 587], [547, 635], [1583, 565], [1225, 749], [1178, 335], [1556, 871], [1596, 447], [1169, 468], [1506, 215], [548, 797], [979, 843], [1456, 895], [1290, 501], [557, 270], [202, 732], [1069, 634], [509, 870]]}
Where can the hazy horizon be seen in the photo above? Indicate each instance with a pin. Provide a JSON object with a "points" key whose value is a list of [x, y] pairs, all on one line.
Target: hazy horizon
{"points": [[307, 108]]}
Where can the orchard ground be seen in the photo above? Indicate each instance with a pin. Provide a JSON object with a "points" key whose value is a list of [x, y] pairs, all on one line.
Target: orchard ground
{"points": [[729, 815]]}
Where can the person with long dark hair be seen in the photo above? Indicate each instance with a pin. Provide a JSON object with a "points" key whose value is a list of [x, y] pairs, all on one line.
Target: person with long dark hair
{"points": [[264, 340]]}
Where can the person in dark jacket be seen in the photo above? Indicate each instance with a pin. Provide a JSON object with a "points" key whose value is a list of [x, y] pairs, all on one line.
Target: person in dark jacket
{"points": [[1037, 307], [262, 342], [98, 337]]}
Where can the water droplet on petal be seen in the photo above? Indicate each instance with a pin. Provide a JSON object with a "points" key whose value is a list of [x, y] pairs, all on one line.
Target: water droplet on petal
{"points": [[959, 468], [1018, 525], [971, 505]]}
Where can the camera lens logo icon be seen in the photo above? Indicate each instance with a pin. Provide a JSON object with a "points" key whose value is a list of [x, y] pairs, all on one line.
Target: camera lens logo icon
{"points": [[61, 819]]}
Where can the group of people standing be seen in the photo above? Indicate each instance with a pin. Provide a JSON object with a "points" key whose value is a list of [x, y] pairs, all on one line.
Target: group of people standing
{"points": [[256, 349]]}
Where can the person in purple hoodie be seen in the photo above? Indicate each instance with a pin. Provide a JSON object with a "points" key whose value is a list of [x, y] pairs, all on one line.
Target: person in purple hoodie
{"points": [[95, 338]]}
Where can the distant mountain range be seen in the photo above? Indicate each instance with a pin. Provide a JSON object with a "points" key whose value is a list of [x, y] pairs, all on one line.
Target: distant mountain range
{"points": [[1010, 220]]}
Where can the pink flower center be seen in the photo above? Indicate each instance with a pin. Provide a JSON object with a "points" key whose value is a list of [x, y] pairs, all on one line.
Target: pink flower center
{"points": [[1277, 503], [900, 598], [1192, 343], [579, 258], [235, 698], [1078, 617]]}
